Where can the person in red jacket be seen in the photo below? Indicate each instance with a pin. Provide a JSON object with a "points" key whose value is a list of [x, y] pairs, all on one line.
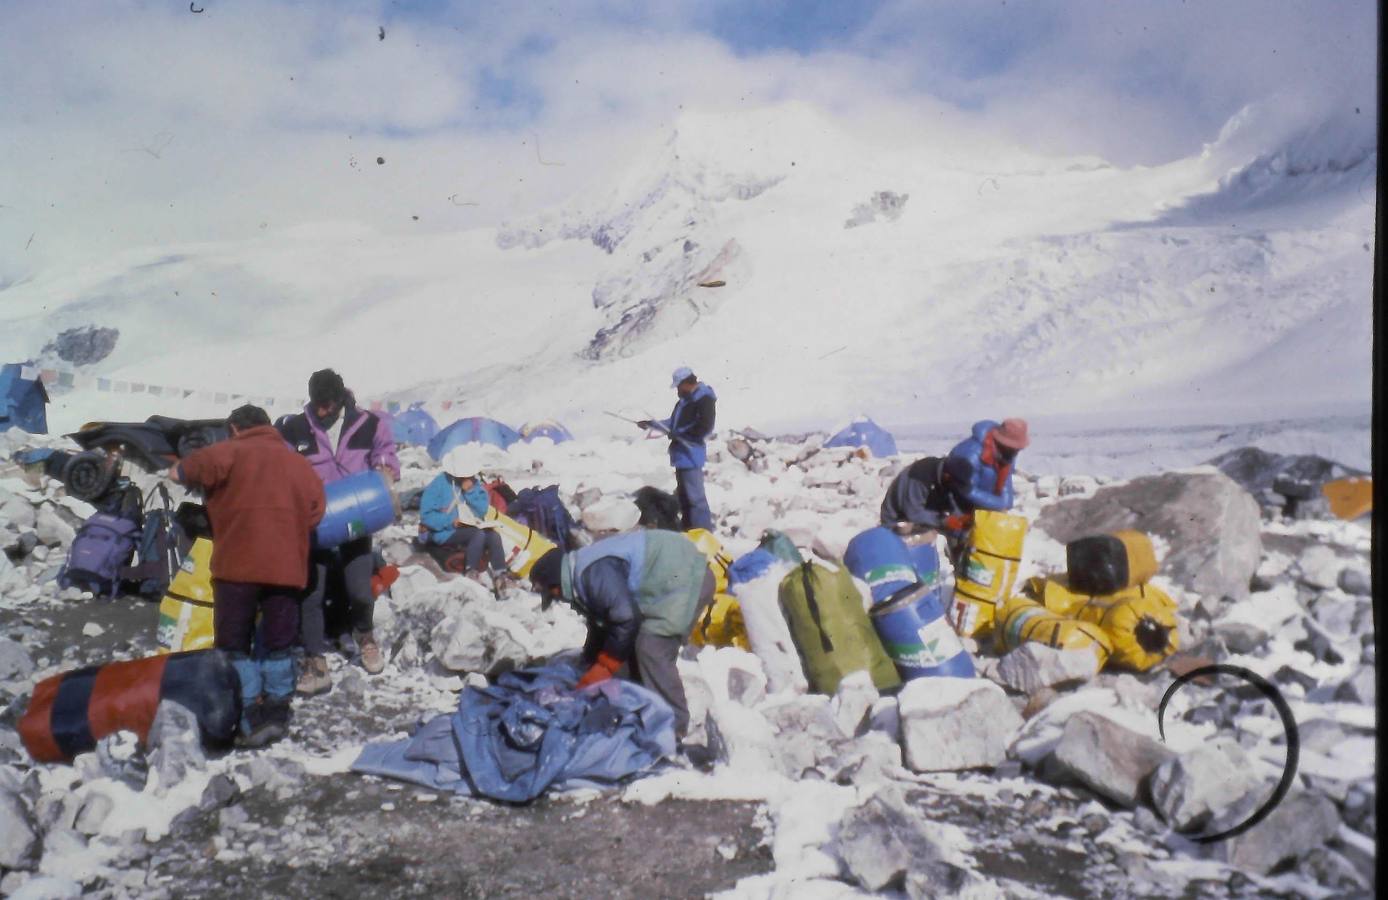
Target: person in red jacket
{"points": [[263, 500]]}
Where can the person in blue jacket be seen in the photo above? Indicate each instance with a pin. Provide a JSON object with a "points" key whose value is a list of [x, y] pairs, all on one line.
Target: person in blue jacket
{"points": [[688, 427], [452, 520], [990, 452], [640, 593]]}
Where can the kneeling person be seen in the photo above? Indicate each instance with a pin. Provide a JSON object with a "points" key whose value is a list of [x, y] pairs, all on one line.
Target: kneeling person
{"points": [[641, 593]]}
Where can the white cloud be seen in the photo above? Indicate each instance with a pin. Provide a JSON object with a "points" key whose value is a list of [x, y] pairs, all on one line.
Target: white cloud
{"points": [[127, 124]]}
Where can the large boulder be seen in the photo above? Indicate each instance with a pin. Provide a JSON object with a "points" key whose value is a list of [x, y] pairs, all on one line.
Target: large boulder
{"points": [[949, 724], [1034, 666], [1210, 525], [1301, 823], [1206, 782], [1108, 758]]}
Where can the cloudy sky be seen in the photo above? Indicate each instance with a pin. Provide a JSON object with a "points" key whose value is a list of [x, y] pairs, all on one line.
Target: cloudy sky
{"points": [[126, 124]]}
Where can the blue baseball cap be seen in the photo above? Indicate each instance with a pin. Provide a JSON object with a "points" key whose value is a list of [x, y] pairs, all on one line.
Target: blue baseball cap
{"points": [[680, 374]]}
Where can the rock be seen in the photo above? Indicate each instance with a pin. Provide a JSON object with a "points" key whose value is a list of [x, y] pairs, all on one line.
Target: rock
{"points": [[1337, 614], [19, 834], [15, 661], [1356, 581], [949, 724], [175, 744], [1211, 526], [806, 730], [870, 759], [480, 639], [48, 887], [221, 791], [91, 629], [611, 514], [120, 758], [885, 717], [1247, 625], [1034, 666], [1319, 567], [853, 700], [1204, 782], [586, 497], [1107, 757], [232, 817], [94, 812], [746, 686], [1329, 869], [18, 512], [1302, 822], [1072, 485], [1361, 687], [883, 840], [52, 529]]}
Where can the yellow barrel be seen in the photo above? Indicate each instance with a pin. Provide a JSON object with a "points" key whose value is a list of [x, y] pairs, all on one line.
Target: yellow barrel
{"points": [[988, 572]]}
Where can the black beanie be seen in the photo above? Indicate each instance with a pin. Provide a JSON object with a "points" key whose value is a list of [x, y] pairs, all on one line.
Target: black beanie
{"points": [[546, 574], [326, 386]]}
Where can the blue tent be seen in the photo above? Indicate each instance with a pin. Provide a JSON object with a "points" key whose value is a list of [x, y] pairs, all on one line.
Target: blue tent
{"points": [[475, 430], [414, 426], [865, 433], [22, 399], [546, 429]]}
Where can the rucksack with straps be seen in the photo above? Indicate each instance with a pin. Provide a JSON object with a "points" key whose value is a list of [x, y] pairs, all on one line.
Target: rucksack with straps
{"points": [[159, 553], [542, 510], [831, 629], [101, 549]]}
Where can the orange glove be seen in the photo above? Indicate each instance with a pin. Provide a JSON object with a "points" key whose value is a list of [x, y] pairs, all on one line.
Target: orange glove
{"points": [[605, 667], [382, 579], [959, 522]]}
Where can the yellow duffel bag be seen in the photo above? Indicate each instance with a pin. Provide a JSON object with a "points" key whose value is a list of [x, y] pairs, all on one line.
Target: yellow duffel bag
{"points": [[721, 625], [718, 561], [1054, 593], [521, 543], [185, 613], [1140, 621], [1022, 619], [988, 571]]}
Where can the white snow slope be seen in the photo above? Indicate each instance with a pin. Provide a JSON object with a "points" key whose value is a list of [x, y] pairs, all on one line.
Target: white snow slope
{"points": [[920, 277]]}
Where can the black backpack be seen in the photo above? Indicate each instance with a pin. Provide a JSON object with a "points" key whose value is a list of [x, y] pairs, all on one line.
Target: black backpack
{"points": [[659, 509], [161, 548], [542, 510]]}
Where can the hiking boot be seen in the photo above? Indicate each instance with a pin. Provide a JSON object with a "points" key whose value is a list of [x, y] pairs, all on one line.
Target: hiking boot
{"points": [[371, 658], [503, 582], [260, 728], [314, 679]]}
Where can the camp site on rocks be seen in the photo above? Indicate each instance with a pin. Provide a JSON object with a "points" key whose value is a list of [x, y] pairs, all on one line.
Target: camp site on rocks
{"points": [[755, 451]]}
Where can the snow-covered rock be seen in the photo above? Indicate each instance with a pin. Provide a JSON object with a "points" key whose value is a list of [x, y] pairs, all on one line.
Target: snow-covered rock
{"points": [[1034, 666], [883, 840], [19, 835], [949, 724], [52, 529], [1302, 822], [1205, 782]]}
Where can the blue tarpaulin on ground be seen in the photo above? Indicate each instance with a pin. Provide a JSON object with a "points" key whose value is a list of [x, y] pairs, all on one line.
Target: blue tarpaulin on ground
{"points": [[475, 430], [413, 426], [865, 433], [22, 399], [531, 731]]}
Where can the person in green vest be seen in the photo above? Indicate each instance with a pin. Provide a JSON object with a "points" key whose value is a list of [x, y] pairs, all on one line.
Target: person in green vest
{"points": [[640, 593]]}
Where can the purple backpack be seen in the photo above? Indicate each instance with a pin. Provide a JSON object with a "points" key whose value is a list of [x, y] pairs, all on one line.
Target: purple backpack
{"points": [[103, 545]]}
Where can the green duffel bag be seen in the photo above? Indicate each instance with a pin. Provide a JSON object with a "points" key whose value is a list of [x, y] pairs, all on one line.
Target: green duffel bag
{"points": [[831, 630]]}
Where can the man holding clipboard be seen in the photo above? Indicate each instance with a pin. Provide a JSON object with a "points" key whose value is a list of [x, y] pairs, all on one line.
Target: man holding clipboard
{"points": [[688, 427]]}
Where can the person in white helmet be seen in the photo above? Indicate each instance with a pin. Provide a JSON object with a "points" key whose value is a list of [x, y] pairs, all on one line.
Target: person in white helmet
{"points": [[452, 520]]}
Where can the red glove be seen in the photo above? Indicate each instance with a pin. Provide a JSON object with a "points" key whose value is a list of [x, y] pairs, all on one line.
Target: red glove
{"points": [[383, 578], [605, 667], [959, 522]]}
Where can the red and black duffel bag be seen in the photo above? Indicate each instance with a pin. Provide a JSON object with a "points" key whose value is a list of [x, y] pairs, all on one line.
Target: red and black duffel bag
{"points": [[69, 713]]}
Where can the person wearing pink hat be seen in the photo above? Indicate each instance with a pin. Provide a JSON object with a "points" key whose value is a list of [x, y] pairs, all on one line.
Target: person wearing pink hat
{"points": [[990, 452]]}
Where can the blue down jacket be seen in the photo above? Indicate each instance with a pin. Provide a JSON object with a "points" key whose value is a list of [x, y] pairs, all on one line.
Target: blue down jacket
{"points": [[980, 453], [689, 425]]}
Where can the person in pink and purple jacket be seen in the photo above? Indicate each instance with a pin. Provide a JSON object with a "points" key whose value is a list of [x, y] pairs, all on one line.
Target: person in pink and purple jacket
{"points": [[339, 440]]}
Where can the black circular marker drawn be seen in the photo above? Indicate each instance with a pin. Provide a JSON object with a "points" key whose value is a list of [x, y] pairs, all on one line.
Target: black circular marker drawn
{"points": [[1269, 690]]}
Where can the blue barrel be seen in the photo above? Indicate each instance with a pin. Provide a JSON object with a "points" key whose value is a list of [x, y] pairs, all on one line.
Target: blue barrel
{"points": [[925, 559], [882, 559], [358, 505], [918, 638]]}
